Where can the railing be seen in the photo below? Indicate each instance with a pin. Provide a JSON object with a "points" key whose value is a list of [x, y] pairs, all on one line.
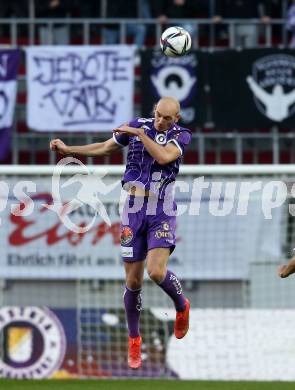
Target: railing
{"points": [[206, 28], [279, 147]]}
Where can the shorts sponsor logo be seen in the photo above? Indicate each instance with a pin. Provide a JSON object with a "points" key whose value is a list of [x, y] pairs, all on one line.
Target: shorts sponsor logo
{"points": [[165, 226], [126, 235], [160, 234], [127, 252], [34, 342]]}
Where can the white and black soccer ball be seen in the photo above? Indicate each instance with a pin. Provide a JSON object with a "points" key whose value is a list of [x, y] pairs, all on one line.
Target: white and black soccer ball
{"points": [[175, 42]]}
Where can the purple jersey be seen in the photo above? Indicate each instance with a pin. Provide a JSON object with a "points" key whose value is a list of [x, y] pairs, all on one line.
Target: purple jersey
{"points": [[141, 167]]}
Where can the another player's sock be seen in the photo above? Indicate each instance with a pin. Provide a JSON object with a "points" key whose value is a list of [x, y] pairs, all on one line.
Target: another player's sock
{"points": [[132, 301], [172, 286]]}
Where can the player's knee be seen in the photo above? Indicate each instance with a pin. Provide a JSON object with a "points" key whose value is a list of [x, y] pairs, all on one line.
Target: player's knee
{"points": [[156, 274], [134, 283]]}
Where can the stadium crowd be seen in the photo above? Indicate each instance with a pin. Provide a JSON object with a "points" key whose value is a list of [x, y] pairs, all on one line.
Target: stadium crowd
{"points": [[160, 10]]}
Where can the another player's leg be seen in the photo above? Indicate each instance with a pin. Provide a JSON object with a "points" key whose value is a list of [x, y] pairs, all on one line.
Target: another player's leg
{"points": [[285, 270], [157, 269], [132, 301]]}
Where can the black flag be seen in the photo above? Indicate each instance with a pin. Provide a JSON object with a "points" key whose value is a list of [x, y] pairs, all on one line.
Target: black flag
{"points": [[252, 88], [181, 77]]}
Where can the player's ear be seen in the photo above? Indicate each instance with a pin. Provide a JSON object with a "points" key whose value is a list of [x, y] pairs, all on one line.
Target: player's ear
{"points": [[177, 118], [154, 109]]}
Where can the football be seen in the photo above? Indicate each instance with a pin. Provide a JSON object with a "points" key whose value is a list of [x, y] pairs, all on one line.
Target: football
{"points": [[175, 42]]}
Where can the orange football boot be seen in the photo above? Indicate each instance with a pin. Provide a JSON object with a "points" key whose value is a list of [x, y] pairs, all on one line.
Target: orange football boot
{"points": [[134, 354], [181, 324]]}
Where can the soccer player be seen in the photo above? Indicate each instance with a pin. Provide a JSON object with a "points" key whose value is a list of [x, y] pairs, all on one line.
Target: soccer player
{"points": [[285, 270], [155, 148]]}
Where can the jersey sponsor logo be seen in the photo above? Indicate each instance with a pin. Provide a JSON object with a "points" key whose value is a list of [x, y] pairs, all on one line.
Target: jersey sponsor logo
{"points": [[126, 235], [34, 342], [126, 251]]}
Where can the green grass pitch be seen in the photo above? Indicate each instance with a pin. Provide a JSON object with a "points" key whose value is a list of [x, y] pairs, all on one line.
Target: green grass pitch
{"points": [[141, 385]]}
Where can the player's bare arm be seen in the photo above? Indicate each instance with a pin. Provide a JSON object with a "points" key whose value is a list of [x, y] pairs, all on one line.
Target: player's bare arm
{"points": [[162, 154], [96, 149], [285, 270]]}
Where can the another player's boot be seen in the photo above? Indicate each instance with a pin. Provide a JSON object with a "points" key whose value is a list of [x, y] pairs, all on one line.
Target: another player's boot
{"points": [[134, 354], [181, 324]]}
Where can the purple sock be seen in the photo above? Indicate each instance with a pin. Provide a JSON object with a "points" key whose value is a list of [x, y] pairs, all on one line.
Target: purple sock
{"points": [[171, 285], [132, 301]]}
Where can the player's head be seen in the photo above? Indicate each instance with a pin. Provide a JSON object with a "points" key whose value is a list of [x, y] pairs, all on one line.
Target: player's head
{"points": [[167, 112], [278, 89]]}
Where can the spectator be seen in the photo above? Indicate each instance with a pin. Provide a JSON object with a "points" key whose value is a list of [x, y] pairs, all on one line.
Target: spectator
{"points": [[291, 23], [178, 9], [15, 9], [59, 34], [127, 9], [87, 9], [246, 34], [276, 8]]}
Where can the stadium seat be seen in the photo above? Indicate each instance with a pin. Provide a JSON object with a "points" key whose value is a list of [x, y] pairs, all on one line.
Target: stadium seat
{"points": [[116, 158], [285, 157], [265, 157], [191, 157], [210, 157], [228, 157], [42, 157], [248, 157]]}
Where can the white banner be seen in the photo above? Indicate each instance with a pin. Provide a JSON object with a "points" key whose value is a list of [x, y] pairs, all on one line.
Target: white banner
{"points": [[38, 245], [79, 88]]}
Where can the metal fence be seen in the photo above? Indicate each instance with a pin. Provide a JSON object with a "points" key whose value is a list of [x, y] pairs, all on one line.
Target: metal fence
{"points": [[274, 32]]}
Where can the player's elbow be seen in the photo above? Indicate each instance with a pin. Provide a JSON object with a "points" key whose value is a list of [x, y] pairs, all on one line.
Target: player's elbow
{"points": [[166, 159], [163, 159]]}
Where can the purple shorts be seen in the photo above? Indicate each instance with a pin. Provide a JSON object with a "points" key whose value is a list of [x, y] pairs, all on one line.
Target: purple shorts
{"points": [[149, 227]]}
